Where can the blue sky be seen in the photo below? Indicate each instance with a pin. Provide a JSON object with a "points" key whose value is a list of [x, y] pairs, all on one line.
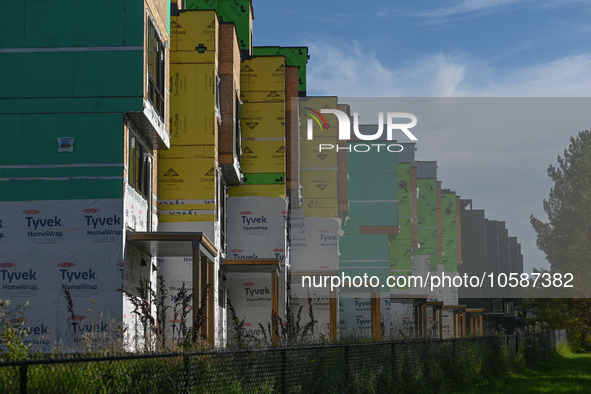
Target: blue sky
{"points": [[436, 48], [454, 48]]}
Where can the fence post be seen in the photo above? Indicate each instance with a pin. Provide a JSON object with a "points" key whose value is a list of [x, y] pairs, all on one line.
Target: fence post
{"points": [[516, 344], [346, 366], [23, 378], [186, 372], [393, 353], [283, 369]]}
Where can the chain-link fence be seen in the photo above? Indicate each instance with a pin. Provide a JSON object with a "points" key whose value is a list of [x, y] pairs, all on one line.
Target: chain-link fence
{"points": [[312, 369]]}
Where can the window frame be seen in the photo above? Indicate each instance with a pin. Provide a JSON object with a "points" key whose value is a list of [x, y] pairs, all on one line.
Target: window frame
{"points": [[156, 69], [140, 164]]}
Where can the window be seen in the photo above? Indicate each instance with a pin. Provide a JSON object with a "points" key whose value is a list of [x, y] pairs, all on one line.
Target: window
{"points": [[140, 167], [236, 129], [218, 107], [156, 70], [222, 193]]}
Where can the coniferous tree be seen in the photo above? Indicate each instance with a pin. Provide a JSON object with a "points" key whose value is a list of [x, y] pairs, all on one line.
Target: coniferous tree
{"points": [[566, 237]]}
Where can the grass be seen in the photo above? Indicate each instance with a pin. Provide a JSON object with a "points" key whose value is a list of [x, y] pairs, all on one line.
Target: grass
{"points": [[564, 372]]}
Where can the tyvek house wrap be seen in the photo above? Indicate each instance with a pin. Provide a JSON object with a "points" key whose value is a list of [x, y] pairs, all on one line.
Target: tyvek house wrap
{"points": [[355, 315], [177, 271], [320, 300], [314, 242], [50, 244], [257, 229]]}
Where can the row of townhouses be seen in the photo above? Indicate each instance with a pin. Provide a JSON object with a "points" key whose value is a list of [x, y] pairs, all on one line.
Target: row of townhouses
{"points": [[150, 150]]}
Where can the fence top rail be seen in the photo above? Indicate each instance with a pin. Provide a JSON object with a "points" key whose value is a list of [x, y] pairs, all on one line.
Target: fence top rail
{"points": [[77, 359]]}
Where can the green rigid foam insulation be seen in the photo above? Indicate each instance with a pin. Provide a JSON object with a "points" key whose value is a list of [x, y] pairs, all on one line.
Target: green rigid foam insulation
{"points": [[371, 162], [400, 258], [370, 214], [372, 187], [448, 231], [404, 189], [427, 203], [427, 237], [400, 242], [405, 228], [450, 264], [294, 56], [448, 205], [450, 246], [233, 11], [264, 179], [364, 247]]}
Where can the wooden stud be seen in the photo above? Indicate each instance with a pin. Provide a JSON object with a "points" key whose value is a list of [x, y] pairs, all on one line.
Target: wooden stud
{"points": [[376, 317], [274, 305], [211, 305], [481, 329], [333, 315], [463, 324], [196, 290], [204, 296]]}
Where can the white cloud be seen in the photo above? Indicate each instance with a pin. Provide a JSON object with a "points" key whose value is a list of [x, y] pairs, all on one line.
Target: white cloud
{"points": [[468, 7], [464, 9], [351, 70]]}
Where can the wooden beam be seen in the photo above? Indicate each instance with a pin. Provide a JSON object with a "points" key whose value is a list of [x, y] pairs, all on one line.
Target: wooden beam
{"points": [[480, 325], [211, 304], [274, 307], [204, 296], [463, 324], [254, 262], [333, 315], [196, 291], [376, 316]]}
